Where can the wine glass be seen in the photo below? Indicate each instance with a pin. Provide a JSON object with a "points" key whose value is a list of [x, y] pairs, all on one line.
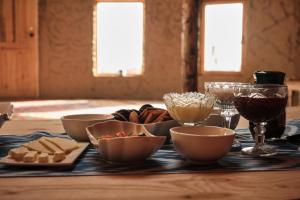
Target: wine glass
{"points": [[260, 103], [223, 91], [190, 108], [224, 94]]}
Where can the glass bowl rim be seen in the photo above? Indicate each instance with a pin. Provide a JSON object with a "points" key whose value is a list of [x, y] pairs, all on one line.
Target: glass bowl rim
{"points": [[263, 86]]}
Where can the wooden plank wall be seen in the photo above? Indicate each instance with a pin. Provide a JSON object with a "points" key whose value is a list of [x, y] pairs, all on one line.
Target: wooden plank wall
{"points": [[18, 49], [7, 21]]}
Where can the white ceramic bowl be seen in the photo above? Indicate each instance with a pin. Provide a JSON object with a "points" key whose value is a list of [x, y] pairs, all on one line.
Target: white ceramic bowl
{"points": [[123, 149], [6, 110], [75, 125], [202, 143], [162, 128]]}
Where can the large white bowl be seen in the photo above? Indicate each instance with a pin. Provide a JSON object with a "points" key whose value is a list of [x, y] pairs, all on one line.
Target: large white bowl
{"points": [[202, 143], [6, 110], [75, 125], [123, 149]]}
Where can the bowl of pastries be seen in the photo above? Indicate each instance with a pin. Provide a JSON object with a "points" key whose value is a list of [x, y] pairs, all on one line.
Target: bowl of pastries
{"points": [[157, 121]]}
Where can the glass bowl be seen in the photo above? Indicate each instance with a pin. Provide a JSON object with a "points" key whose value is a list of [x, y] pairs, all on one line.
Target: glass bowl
{"points": [[190, 108]]}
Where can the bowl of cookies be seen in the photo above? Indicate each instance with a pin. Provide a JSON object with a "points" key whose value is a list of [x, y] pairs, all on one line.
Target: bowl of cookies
{"points": [[157, 121]]}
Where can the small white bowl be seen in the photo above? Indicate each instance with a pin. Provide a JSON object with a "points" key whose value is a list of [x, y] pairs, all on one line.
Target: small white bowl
{"points": [[202, 143], [6, 110], [162, 128], [75, 125], [120, 150]]}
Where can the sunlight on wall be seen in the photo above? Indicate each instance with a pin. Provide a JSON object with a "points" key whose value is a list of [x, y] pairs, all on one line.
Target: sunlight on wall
{"points": [[120, 38], [223, 37]]}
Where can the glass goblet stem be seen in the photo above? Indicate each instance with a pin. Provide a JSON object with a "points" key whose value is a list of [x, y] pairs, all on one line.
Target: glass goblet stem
{"points": [[227, 121], [259, 149], [259, 134], [227, 115]]}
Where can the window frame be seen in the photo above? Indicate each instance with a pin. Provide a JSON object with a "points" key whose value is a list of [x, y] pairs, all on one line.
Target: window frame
{"points": [[96, 72], [202, 38]]}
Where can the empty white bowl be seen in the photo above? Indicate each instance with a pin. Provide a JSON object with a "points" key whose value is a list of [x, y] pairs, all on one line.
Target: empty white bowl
{"points": [[162, 128], [129, 149], [202, 143], [6, 110], [75, 125]]}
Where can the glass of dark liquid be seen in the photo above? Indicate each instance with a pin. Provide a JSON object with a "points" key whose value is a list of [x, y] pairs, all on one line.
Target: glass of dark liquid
{"points": [[275, 127], [260, 103]]}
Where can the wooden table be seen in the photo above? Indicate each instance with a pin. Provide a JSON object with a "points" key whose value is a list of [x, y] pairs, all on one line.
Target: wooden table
{"points": [[229, 185]]}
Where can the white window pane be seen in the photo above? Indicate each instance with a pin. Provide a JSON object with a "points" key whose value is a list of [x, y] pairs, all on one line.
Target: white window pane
{"points": [[120, 37], [223, 37]]}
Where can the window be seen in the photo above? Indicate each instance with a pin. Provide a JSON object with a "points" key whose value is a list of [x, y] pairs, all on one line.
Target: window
{"points": [[223, 33], [119, 37]]}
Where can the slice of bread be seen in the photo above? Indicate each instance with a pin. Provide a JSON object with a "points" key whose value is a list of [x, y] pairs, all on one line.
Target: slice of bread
{"points": [[65, 144], [37, 146]]}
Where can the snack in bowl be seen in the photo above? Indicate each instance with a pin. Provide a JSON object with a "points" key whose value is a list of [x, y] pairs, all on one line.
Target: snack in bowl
{"points": [[123, 142], [119, 134], [157, 121], [202, 144], [145, 115], [189, 107], [75, 125]]}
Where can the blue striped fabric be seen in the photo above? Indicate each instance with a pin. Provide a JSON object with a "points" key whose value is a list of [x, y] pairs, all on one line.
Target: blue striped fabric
{"points": [[165, 160]]}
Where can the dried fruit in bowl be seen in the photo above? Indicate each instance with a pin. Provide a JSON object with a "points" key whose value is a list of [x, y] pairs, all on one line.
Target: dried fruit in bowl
{"points": [[119, 134], [145, 115]]}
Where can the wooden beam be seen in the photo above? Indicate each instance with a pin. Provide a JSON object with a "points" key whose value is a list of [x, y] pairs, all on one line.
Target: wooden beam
{"points": [[190, 17]]}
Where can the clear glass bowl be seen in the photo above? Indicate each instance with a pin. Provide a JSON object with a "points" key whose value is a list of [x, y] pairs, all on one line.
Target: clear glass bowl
{"points": [[189, 108]]}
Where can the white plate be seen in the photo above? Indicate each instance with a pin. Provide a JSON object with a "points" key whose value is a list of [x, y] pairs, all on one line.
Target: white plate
{"points": [[68, 161]]}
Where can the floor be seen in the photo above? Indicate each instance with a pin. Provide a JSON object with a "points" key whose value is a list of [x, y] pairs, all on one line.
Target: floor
{"points": [[54, 109]]}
